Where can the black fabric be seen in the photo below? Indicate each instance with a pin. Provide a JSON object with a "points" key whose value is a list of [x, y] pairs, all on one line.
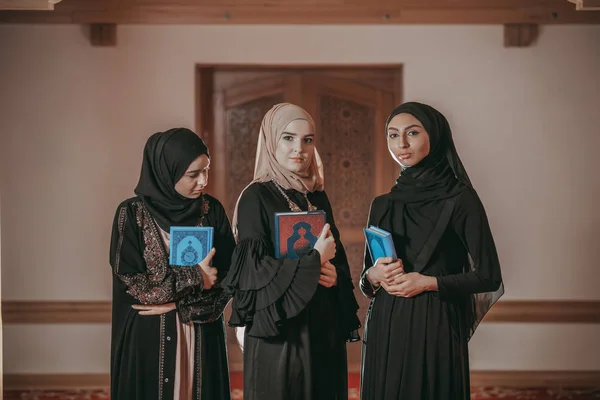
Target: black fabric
{"points": [[167, 155], [144, 348], [296, 330], [441, 174], [417, 347]]}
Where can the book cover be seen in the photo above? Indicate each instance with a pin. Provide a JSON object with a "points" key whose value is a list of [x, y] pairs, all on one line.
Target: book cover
{"points": [[297, 232], [190, 244], [380, 243]]}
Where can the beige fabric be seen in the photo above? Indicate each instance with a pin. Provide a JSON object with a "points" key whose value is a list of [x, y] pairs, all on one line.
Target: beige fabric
{"points": [[266, 166], [184, 362], [186, 341]]}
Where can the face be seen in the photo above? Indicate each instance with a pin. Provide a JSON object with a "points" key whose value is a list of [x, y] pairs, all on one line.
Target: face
{"points": [[408, 141], [195, 178], [296, 147]]}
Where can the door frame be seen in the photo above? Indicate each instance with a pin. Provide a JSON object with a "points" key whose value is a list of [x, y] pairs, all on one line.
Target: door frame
{"points": [[203, 88], [205, 126]]}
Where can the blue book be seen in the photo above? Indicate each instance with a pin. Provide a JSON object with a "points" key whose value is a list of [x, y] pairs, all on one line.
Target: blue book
{"points": [[297, 232], [190, 244], [380, 243]]}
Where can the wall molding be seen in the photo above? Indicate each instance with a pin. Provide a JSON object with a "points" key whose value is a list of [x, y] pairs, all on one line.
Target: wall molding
{"points": [[99, 312], [56, 381], [56, 312], [513, 379], [545, 311]]}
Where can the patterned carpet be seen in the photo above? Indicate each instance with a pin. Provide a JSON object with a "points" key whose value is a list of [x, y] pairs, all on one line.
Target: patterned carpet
{"points": [[477, 394], [487, 393]]}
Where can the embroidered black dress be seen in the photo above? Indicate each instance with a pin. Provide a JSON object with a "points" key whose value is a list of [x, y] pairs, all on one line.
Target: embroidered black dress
{"points": [[143, 348], [296, 330]]}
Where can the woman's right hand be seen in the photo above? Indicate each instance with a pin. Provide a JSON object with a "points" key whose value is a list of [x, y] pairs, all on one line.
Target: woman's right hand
{"points": [[209, 274], [384, 270], [156, 309], [325, 245]]}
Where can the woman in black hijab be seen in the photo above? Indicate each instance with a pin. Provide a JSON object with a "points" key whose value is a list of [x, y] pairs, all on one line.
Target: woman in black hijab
{"points": [[168, 338], [426, 305]]}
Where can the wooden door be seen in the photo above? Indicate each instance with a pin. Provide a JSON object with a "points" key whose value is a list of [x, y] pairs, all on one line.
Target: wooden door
{"points": [[349, 107]]}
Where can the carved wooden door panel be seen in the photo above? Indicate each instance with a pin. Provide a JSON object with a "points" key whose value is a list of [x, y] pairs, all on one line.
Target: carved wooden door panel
{"points": [[349, 108], [350, 118]]}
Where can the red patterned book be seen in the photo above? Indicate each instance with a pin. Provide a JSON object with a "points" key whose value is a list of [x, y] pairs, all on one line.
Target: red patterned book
{"points": [[297, 232]]}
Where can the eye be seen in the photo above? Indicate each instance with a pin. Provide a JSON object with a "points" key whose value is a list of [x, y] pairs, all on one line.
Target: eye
{"points": [[392, 135], [288, 138], [412, 133], [308, 140]]}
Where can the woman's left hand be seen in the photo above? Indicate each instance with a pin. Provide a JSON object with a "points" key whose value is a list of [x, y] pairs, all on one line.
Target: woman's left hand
{"points": [[328, 275], [157, 309], [410, 285]]}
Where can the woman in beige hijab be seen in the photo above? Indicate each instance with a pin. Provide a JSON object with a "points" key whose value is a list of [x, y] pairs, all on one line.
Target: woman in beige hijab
{"points": [[298, 313]]}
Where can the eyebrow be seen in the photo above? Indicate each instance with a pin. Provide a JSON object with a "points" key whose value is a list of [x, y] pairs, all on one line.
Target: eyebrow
{"points": [[391, 128], [295, 134], [196, 170]]}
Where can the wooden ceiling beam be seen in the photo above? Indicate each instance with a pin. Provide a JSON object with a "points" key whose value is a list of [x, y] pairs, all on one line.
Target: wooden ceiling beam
{"points": [[103, 35], [386, 12], [520, 35], [586, 5], [28, 5]]}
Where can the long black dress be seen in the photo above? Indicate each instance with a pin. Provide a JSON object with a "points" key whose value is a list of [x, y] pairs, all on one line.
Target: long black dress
{"points": [[416, 348], [143, 348], [296, 329]]}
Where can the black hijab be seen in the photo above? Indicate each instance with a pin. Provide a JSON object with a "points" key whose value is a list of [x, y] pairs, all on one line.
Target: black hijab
{"points": [[420, 199], [167, 155], [421, 191], [440, 175]]}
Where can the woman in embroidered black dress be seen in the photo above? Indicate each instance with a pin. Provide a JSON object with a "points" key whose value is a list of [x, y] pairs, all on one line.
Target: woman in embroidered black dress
{"points": [[168, 338], [297, 313], [425, 306]]}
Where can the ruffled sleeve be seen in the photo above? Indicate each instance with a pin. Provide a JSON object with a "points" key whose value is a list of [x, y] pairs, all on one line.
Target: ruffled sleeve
{"points": [[266, 291]]}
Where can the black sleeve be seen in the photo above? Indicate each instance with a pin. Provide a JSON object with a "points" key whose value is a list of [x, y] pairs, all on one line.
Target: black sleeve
{"points": [[266, 291], [159, 286], [365, 286], [208, 305], [470, 223]]}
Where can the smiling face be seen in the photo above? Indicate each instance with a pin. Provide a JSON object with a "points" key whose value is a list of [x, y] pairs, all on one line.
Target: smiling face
{"points": [[408, 141], [193, 182], [296, 147]]}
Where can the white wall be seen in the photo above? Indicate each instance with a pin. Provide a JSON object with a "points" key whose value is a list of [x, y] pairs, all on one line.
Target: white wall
{"points": [[74, 118]]}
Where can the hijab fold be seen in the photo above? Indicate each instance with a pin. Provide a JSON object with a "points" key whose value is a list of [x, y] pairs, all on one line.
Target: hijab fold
{"points": [[167, 155], [267, 168], [419, 196], [441, 174]]}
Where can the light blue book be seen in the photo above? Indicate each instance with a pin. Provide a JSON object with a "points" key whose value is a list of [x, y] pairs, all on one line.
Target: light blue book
{"points": [[380, 243], [190, 244]]}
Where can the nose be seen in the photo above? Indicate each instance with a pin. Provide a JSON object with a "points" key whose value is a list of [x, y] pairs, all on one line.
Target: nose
{"points": [[202, 179], [403, 142]]}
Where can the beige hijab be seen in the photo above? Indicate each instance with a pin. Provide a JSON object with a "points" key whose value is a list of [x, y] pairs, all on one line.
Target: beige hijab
{"points": [[267, 168]]}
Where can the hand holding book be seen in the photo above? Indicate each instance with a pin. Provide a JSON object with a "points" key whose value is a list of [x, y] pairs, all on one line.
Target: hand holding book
{"points": [[385, 271], [325, 245], [209, 274]]}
